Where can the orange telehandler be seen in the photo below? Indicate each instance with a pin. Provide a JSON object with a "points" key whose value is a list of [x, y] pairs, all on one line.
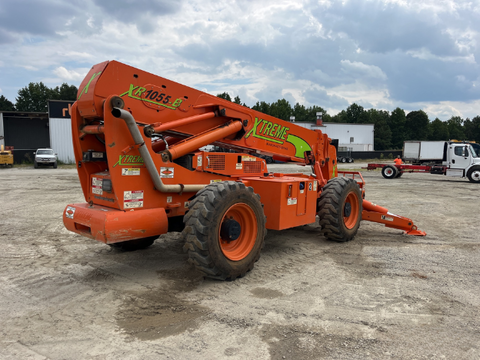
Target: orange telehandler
{"points": [[136, 138]]}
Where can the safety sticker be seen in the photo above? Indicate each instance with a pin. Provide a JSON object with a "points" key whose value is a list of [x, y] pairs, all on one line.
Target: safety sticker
{"points": [[239, 166], [97, 186], [130, 171], [291, 201], [248, 158], [214, 181], [387, 218], [167, 172], [186, 204], [314, 186], [199, 161], [70, 212], [133, 199]]}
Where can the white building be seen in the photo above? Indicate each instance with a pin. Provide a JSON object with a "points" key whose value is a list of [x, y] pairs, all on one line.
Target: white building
{"points": [[61, 130], [357, 137]]}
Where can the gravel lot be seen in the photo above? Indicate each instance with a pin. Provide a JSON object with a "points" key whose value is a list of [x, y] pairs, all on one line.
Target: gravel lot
{"points": [[383, 295]]}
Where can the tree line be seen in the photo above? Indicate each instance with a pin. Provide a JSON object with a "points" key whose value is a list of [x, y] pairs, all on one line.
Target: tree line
{"points": [[35, 96], [391, 129]]}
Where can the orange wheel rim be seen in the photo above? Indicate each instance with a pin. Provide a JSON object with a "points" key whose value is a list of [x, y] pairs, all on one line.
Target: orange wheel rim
{"points": [[351, 210], [236, 250]]}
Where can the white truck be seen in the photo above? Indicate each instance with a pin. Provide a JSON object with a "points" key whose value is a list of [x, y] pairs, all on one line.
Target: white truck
{"points": [[431, 152], [455, 159], [45, 157]]}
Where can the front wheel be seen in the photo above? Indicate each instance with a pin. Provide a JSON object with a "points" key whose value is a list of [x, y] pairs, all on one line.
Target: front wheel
{"points": [[340, 209], [473, 174], [389, 172], [224, 230]]}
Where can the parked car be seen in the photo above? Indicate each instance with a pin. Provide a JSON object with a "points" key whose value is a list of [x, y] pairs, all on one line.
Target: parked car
{"points": [[45, 157]]}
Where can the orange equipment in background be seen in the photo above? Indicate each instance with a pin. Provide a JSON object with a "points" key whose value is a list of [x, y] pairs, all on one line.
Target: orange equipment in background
{"points": [[136, 141]]}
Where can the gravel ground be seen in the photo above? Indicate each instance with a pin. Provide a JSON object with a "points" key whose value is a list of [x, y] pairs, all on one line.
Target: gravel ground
{"points": [[383, 295]]}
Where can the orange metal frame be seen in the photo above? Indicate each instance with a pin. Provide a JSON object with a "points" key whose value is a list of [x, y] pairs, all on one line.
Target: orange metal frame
{"points": [[117, 180]]}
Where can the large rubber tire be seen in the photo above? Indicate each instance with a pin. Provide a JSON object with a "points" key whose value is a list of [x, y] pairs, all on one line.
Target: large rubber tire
{"points": [[340, 209], [343, 160], [399, 174], [389, 172], [207, 225], [55, 165], [35, 165], [473, 174], [350, 160], [133, 245]]}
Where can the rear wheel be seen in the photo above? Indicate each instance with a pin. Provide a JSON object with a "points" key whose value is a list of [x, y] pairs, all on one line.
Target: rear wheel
{"points": [[389, 172], [340, 209], [399, 174], [343, 160], [350, 160], [474, 174], [224, 230], [133, 245], [35, 165]]}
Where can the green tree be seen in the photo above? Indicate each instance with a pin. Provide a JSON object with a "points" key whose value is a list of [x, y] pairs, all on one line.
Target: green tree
{"points": [[34, 97], [417, 125], [224, 96], [281, 109], [237, 100], [5, 104], [396, 123], [65, 92], [472, 129], [382, 132], [263, 107], [455, 128], [341, 117], [438, 130], [312, 114], [356, 114], [300, 113]]}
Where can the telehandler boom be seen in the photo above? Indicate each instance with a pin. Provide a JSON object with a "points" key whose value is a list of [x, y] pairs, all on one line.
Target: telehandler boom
{"points": [[136, 138]]}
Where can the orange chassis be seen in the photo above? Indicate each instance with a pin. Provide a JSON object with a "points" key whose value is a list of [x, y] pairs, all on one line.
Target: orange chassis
{"points": [[136, 140]]}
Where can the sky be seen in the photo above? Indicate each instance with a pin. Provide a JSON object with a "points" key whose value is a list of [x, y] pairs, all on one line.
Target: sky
{"points": [[382, 54]]}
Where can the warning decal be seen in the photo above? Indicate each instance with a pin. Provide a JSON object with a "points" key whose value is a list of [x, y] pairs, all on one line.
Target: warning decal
{"points": [[130, 171], [167, 172], [133, 199], [97, 186]]}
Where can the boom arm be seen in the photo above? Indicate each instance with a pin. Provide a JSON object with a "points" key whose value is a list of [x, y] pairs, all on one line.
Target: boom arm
{"points": [[196, 119]]}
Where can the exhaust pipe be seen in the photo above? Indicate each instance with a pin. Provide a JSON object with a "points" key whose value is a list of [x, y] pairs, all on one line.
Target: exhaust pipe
{"points": [[147, 158]]}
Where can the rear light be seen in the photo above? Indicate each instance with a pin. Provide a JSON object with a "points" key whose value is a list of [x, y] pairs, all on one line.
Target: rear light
{"points": [[107, 185]]}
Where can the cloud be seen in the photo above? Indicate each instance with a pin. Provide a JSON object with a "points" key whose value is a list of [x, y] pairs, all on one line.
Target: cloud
{"points": [[328, 53]]}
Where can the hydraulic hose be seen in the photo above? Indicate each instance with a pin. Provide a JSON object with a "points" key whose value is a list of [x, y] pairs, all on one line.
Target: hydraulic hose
{"points": [[147, 158]]}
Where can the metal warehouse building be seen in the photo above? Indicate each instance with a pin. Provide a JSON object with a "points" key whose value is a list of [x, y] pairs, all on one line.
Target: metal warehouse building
{"points": [[357, 137], [27, 132]]}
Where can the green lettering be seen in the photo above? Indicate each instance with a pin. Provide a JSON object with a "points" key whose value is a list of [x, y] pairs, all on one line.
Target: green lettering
{"points": [[85, 89], [254, 128], [140, 91], [272, 133], [177, 103], [267, 128], [284, 133], [263, 125], [119, 162]]}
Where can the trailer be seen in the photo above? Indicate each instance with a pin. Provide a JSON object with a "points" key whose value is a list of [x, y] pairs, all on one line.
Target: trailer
{"points": [[344, 154], [461, 160]]}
